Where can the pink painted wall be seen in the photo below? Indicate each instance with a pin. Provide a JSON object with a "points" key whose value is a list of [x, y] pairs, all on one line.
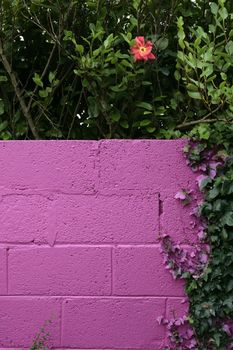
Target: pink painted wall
{"points": [[79, 228]]}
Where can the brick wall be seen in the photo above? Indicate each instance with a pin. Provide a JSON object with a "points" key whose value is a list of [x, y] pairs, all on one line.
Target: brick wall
{"points": [[79, 228]]}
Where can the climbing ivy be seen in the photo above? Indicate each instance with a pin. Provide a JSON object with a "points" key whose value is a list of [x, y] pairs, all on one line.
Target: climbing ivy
{"points": [[211, 295], [204, 70]]}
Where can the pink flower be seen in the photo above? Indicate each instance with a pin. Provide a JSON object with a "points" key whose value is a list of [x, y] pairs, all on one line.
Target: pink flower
{"points": [[213, 168], [180, 195], [201, 233], [203, 258], [200, 179], [227, 329], [142, 50]]}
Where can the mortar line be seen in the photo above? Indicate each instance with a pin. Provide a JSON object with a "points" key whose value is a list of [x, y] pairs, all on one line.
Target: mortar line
{"points": [[70, 348], [18, 245], [165, 311], [160, 212], [61, 322], [97, 163], [7, 271], [115, 296], [111, 271]]}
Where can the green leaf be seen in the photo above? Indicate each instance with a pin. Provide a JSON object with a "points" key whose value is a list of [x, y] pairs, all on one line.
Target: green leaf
{"points": [[51, 77], [124, 124], [213, 193], [118, 88], [85, 83], [229, 286], [197, 42], [43, 93], [214, 8], [144, 105], [208, 71], [181, 33], [227, 219], [160, 110], [204, 131], [165, 71], [93, 108], [146, 83], [177, 75], [162, 44], [68, 35], [223, 76], [195, 94], [229, 47], [116, 116], [145, 122], [37, 80], [2, 107], [126, 64], [133, 21], [79, 48], [129, 36], [212, 28], [223, 13], [108, 41], [150, 129], [3, 78], [125, 37], [3, 125], [203, 185], [217, 339]]}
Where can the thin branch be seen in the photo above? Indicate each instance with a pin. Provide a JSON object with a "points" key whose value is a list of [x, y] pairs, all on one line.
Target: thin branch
{"points": [[75, 112], [194, 122], [200, 121], [42, 76], [18, 93]]}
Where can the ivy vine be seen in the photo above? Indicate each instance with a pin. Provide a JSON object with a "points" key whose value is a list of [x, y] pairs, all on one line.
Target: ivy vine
{"points": [[208, 269]]}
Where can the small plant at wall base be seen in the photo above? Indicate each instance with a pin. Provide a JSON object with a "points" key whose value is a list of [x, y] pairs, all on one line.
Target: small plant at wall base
{"points": [[41, 339]]}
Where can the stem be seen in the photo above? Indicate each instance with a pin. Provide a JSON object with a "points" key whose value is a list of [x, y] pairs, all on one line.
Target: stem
{"points": [[200, 121], [75, 112], [42, 76], [18, 93]]}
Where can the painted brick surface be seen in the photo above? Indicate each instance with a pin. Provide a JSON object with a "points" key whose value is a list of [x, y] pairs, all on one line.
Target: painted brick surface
{"points": [[60, 271], [54, 166], [175, 218], [157, 165], [131, 217], [176, 307], [79, 229], [22, 318], [140, 271], [112, 323], [23, 219]]}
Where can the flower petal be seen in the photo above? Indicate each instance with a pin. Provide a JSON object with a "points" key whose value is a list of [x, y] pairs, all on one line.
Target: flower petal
{"points": [[152, 56], [140, 40]]}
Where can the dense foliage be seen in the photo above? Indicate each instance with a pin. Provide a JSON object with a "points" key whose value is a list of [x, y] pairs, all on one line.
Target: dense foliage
{"points": [[211, 295], [67, 72]]}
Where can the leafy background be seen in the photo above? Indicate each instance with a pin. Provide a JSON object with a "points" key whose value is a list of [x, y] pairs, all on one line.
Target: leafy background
{"points": [[66, 71]]}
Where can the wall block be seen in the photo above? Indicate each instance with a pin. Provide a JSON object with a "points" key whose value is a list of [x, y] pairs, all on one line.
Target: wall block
{"points": [[79, 242]]}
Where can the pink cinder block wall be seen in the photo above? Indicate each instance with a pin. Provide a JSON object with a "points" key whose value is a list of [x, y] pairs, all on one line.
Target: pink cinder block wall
{"points": [[79, 229]]}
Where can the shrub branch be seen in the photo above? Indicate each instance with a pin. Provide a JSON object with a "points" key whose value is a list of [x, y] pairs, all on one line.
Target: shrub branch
{"points": [[18, 93]]}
